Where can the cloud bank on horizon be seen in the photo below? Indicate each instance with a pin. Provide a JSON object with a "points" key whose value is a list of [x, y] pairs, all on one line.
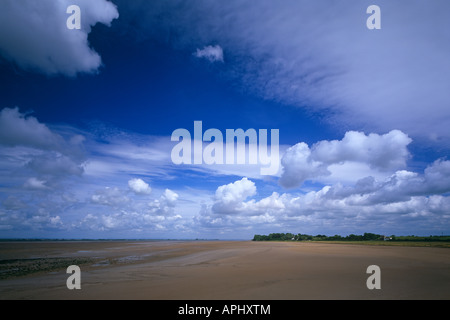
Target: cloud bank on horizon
{"points": [[69, 197], [384, 101]]}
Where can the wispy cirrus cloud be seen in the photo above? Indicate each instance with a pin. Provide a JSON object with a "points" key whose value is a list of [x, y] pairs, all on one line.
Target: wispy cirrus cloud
{"points": [[320, 55]]}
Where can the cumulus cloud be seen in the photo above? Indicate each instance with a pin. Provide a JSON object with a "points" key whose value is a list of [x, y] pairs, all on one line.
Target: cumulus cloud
{"points": [[108, 209], [132, 214], [403, 198], [211, 53], [298, 166], [386, 152], [405, 184], [110, 197], [34, 35], [18, 130], [169, 197], [55, 164], [31, 145], [230, 197], [164, 206], [49, 179], [437, 177], [401, 186], [36, 212], [139, 186]]}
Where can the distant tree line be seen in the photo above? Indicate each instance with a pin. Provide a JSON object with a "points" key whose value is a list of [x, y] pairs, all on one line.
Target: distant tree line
{"points": [[352, 237]]}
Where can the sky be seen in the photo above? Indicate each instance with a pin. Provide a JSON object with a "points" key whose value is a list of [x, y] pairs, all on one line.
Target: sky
{"points": [[120, 127]]}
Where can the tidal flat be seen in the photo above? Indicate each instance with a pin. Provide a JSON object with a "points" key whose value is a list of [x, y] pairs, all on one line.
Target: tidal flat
{"points": [[168, 270]]}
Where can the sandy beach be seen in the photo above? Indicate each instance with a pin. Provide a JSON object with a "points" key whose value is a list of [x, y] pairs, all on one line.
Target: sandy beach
{"points": [[187, 270]]}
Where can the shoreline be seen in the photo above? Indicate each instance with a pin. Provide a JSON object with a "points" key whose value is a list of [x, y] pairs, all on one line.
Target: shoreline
{"points": [[413, 243]]}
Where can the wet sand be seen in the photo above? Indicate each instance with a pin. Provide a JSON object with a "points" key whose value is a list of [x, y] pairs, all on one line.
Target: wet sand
{"points": [[229, 270]]}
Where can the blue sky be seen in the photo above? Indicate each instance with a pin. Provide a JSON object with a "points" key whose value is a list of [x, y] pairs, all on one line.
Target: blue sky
{"points": [[86, 118]]}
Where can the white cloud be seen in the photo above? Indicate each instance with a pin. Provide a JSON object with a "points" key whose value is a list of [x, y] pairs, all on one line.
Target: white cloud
{"points": [[139, 186], [211, 53], [34, 34], [230, 197], [36, 213], [55, 164], [386, 152], [170, 197], [435, 180], [164, 206], [37, 153], [34, 183], [132, 215], [110, 197], [437, 177], [18, 130], [298, 166], [391, 204]]}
